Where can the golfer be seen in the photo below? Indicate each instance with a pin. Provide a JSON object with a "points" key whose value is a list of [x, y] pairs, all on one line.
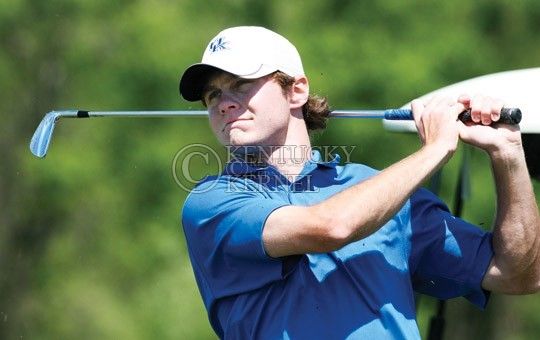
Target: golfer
{"points": [[288, 245]]}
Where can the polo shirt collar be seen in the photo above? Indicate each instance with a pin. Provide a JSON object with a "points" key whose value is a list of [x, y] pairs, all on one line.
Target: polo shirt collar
{"points": [[316, 158]]}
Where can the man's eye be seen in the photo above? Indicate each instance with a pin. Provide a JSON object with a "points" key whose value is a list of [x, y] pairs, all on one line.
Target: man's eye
{"points": [[211, 96]]}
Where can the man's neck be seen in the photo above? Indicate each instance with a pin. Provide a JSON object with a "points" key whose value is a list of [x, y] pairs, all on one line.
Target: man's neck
{"points": [[289, 160]]}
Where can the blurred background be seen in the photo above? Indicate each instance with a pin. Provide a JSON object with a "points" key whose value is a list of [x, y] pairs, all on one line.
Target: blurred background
{"points": [[91, 245]]}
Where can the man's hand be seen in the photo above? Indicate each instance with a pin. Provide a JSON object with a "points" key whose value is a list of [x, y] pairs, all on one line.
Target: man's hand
{"points": [[493, 139], [436, 122]]}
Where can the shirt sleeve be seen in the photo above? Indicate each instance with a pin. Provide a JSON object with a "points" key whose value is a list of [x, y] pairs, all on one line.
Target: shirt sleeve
{"points": [[449, 256], [223, 226]]}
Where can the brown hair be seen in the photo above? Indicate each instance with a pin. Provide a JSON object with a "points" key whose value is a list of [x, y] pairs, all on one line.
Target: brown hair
{"points": [[315, 110]]}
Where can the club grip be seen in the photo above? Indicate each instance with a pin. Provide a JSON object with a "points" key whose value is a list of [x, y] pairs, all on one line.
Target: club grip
{"points": [[509, 115]]}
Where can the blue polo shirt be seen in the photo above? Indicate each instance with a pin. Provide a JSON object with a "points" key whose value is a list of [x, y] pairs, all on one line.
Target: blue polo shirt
{"points": [[364, 290]]}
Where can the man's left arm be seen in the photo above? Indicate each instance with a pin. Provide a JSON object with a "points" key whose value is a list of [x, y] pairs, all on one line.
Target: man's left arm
{"points": [[515, 266]]}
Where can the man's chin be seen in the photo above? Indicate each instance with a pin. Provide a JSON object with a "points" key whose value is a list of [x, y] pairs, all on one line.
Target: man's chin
{"points": [[241, 140]]}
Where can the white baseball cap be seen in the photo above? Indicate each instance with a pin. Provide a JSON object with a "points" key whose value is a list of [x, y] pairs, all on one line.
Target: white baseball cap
{"points": [[246, 51]]}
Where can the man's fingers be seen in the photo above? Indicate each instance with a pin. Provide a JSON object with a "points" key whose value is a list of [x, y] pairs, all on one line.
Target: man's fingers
{"points": [[485, 115], [458, 108], [476, 106], [447, 105], [464, 99], [496, 110], [463, 131], [484, 110], [440, 103]]}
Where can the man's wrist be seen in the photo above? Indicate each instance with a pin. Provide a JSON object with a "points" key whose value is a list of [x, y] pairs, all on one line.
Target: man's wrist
{"points": [[506, 153], [438, 151]]}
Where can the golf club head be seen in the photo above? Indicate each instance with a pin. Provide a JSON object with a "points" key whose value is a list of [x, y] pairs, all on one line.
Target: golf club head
{"points": [[39, 144]]}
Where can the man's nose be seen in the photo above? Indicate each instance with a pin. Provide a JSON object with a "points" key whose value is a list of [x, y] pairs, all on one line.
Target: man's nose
{"points": [[227, 104]]}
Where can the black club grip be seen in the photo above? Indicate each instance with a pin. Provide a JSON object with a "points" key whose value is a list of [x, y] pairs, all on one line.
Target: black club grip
{"points": [[509, 115]]}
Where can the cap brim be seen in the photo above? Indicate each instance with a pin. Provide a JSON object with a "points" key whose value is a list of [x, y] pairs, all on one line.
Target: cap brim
{"points": [[193, 81]]}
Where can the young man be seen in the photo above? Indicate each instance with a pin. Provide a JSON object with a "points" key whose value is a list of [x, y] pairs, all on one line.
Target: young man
{"points": [[287, 245]]}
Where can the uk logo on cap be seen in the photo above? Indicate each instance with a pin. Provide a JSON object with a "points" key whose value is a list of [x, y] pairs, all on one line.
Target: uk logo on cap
{"points": [[218, 45]]}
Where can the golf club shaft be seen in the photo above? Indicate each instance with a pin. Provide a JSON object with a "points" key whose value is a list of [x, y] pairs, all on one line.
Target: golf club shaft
{"points": [[193, 113], [508, 115]]}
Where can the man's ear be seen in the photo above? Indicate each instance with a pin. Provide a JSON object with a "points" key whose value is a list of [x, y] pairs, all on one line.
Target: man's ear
{"points": [[299, 92]]}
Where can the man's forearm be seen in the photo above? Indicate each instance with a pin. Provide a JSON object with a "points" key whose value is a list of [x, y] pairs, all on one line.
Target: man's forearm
{"points": [[516, 233], [364, 208]]}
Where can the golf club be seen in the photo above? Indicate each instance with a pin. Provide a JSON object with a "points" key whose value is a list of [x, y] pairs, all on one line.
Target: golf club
{"points": [[41, 139]]}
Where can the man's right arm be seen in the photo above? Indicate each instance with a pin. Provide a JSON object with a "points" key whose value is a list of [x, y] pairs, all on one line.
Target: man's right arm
{"points": [[362, 209]]}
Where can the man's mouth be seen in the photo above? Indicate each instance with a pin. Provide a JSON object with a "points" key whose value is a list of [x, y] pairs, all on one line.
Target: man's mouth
{"points": [[229, 123]]}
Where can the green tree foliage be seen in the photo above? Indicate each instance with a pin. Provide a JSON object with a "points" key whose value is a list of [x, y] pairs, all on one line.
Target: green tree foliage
{"points": [[90, 239]]}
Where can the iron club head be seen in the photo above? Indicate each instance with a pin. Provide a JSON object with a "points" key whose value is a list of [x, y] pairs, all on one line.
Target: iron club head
{"points": [[39, 144]]}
